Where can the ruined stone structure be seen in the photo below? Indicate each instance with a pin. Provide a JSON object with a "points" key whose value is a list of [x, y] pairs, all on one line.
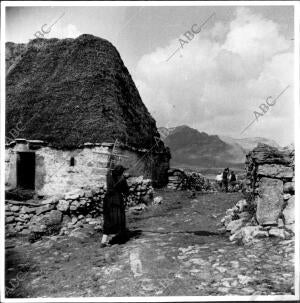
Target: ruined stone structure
{"points": [[64, 213], [269, 207], [182, 180]]}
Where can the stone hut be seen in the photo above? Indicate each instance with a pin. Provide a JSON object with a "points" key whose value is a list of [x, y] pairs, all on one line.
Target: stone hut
{"points": [[75, 103]]}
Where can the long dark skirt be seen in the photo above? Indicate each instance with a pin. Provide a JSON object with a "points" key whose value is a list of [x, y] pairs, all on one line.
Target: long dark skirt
{"points": [[114, 220]]}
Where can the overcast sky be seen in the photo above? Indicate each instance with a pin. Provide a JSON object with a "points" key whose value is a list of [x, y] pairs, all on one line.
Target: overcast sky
{"points": [[214, 82]]}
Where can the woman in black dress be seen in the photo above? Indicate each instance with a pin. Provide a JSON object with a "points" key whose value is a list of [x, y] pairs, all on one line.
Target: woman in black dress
{"points": [[114, 205]]}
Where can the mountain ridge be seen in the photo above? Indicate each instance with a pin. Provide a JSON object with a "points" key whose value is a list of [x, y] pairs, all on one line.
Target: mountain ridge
{"points": [[191, 147]]}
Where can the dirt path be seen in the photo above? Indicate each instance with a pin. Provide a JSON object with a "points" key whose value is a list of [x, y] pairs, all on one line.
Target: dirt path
{"points": [[175, 249]]}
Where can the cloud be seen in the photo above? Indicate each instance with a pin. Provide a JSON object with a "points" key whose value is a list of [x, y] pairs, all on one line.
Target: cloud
{"points": [[61, 32], [218, 79]]}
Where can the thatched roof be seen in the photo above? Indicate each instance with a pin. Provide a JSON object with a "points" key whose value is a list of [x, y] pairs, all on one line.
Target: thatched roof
{"points": [[71, 91]]}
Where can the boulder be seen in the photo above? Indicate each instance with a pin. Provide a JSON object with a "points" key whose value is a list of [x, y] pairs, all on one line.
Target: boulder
{"points": [[45, 223], [248, 234], [54, 217], [78, 233], [264, 153], [278, 232], [63, 205], [24, 216], [10, 219], [242, 205], [269, 201], [74, 220], [289, 211], [157, 200], [20, 219], [74, 205], [66, 219], [235, 225], [230, 212], [226, 220], [275, 171], [75, 194], [27, 210], [52, 200], [38, 228], [44, 208], [15, 208], [244, 215]]}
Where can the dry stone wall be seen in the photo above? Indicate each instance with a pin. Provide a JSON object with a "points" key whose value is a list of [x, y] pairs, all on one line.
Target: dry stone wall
{"points": [[75, 209], [179, 179], [268, 209]]}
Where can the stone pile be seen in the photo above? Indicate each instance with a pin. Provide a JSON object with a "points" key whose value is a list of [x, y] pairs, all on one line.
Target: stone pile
{"points": [[268, 209], [180, 180], [175, 179], [140, 191], [80, 208]]}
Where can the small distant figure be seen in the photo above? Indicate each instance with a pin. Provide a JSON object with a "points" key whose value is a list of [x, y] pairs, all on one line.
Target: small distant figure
{"points": [[219, 178], [225, 179], [232, 179], [114, 205]]}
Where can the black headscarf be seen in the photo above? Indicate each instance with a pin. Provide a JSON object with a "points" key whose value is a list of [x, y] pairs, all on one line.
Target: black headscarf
{"points": [[118, 171]]}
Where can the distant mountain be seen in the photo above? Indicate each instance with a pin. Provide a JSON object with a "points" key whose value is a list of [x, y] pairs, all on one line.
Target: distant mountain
{"points": [[191, 148], [249, 143], [165, 132]]}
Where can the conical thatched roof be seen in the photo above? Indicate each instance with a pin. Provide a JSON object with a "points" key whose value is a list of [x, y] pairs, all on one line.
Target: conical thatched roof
{"points": [[71, 91]]}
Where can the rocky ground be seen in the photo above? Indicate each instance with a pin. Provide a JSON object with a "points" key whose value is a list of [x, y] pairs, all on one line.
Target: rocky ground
{"points": [[175, 248]]}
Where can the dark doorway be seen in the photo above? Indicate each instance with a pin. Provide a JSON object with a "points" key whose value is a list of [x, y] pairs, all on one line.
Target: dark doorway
{"points": [[26, 170]]}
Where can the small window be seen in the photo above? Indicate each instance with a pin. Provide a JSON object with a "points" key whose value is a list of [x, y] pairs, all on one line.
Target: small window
{"points": [[72, 161]]}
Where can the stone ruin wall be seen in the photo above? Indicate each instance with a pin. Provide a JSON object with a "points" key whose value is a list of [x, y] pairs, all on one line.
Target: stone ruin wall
{"points": [[271, 179], [67, 212], [179, 179], [269, 205]]}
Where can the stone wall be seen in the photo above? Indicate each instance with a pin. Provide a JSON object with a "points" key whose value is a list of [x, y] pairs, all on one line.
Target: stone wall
{"points": [[64, 213], [54, 173], [179, 179], [268, 209]]}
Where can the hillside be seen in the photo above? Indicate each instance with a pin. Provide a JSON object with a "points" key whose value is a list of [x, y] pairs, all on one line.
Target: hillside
{"points": [[191, 148], [248, 144], [71, 91]]}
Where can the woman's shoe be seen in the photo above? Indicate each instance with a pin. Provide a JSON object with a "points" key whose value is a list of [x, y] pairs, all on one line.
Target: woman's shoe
{"points": [[102, 245]]}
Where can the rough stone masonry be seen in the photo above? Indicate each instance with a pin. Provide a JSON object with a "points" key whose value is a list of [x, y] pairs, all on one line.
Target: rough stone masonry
{"points": [[269, 205], [64, 213]]}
